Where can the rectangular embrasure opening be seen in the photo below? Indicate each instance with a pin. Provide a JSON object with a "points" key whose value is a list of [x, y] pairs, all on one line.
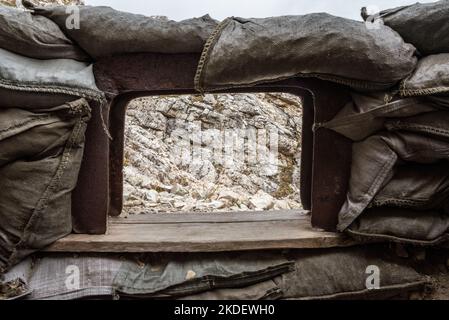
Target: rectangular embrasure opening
{"points": [[216, 154]]}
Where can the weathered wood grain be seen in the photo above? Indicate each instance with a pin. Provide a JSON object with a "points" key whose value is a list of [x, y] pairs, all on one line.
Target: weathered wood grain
{"points": [[206, 233]]}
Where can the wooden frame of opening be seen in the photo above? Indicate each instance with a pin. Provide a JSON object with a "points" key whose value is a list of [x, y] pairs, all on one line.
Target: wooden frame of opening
{"points": [[325, 164]]}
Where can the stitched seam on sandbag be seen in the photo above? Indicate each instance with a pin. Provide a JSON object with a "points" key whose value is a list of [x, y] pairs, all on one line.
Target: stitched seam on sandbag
{"points": [[427, 203], [43, 201], [53, 88], [205, 55], [376, 237], [362, 292], [419, 127], [79, 92], [400, 203], [338, 80], [419, 92]]}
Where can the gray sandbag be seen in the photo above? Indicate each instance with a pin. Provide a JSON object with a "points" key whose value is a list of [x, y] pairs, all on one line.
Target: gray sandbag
{"points": [[343, 274], [418, 187], [171, 276], [41, 153], [373, 166], [104, 31], [402, 226], [243, 52], [35, 36], [267, 290], [433, 123], [430, 77], [66, 276], [425, 25], [368, 113], [34, 84]]}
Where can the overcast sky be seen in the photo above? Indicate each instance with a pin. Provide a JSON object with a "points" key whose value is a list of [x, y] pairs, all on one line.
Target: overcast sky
{"points": [[220, 9]]}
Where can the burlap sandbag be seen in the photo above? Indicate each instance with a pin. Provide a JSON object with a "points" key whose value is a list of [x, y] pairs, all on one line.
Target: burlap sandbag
{"points": [[430, 77], [419, 187], [373, 163], [367, 114], [41, 153], [33, 84], [244, 52], [35, 36], [344, 274], [104, 31], [402, 226], [425, 25]]}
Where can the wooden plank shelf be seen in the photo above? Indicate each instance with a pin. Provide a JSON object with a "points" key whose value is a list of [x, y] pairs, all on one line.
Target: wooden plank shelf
{"points": [[215, 232]]}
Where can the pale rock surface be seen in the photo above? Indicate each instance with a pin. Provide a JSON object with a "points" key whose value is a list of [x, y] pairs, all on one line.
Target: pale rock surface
{"points": [[159, 176]]}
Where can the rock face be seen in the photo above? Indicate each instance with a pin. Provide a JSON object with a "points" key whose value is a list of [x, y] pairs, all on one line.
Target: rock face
{"points": [[213, 153]]}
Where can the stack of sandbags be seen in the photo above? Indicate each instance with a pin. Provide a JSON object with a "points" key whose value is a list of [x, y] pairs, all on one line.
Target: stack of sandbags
{"points": [[313, 274], [105, 32], [426, 27], [399, 185], [46, 93], [40, 156]]}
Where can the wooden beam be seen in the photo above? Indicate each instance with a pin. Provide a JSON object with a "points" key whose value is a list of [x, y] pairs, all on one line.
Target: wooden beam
{"points": [[217, 217], [205, 233]]}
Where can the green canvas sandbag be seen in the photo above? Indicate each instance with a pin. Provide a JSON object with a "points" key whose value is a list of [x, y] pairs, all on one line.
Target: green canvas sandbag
{"points": [[35, 84], [401, 225], [373, 166], [105, 32], [35, 36], [418, 187], [40, 157], [171, 276], [342, 273], [368, 113], [244, 52]]}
